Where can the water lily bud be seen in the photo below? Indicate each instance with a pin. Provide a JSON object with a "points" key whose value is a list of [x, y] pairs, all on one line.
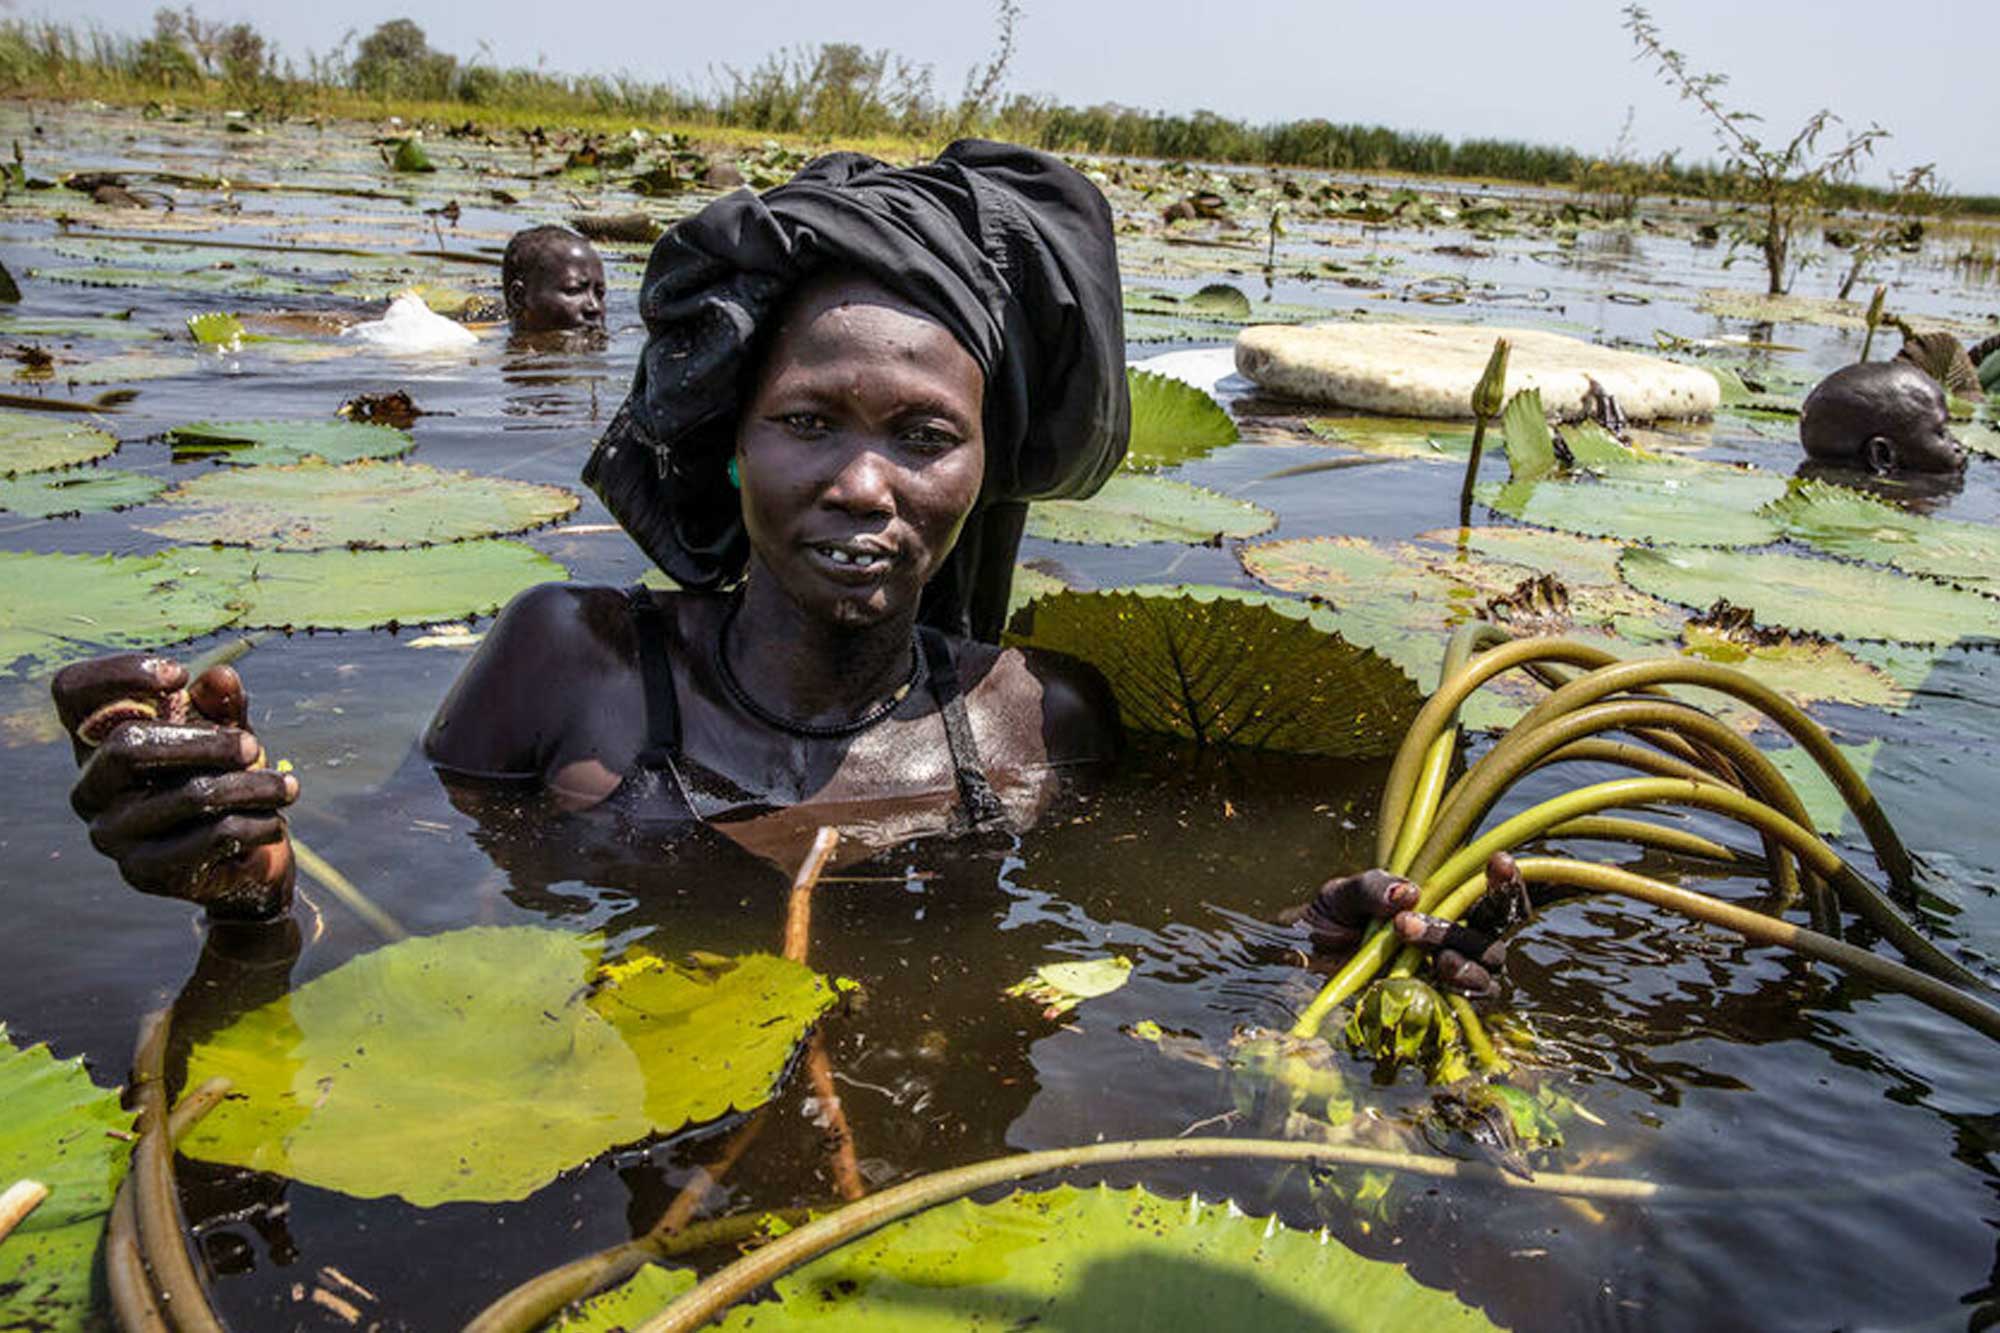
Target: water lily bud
{"points": [[1491, 394], [1875, 306]]}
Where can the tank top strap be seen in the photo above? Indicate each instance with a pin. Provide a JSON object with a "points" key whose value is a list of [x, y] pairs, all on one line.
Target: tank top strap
{"points": [[656, 672], [977, 799]]}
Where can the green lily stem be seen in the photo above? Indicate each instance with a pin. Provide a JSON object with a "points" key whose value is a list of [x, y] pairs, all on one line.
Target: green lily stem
{"points": [[340, 886], [162, 1236], [1471, 472], [1660, 837], [1652, 674], [1944, 998], [764, 1265], [1422, 800], [1866, 901], [1484, 1053], [1377, 947]]}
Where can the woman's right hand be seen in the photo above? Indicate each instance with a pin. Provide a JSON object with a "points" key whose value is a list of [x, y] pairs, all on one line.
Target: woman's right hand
{"points": [[173, 784]]}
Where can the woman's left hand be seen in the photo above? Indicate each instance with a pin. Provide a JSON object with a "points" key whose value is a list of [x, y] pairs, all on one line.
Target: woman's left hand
{"points": [[1337, 917]]}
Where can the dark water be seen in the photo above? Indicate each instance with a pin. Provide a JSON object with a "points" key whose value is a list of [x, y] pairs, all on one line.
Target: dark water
{"points": [[1839, 1144]]}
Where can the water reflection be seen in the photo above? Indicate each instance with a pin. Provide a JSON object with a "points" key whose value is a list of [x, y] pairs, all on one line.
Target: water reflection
{"points": [[563, 377]]}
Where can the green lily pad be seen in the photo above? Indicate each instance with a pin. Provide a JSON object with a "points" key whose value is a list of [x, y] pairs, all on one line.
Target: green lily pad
{"points": [[368, 589], [1818, 596], [1398, 437], [235, 281], [1173, 422], [1093, 1259], [1222, 667], [1061, 987], [90, 492], [1805, 669], [87, 328], [64, 608], [1981, 437], [216, 328], [32, 442], [130, 368], [1525, 433], [480, 1064], [289, 441], [1578, 561], [626, 1306], [314, 505], [1133, 510], [62, 1130], [1847, 523], [1030, 583]]}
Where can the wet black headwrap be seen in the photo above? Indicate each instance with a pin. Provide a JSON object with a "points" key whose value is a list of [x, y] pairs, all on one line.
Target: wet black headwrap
{"points": [[1008, 248]]}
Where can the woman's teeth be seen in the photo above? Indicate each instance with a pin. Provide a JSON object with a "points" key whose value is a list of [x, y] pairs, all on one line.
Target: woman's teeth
{"points": [[841, 555]]}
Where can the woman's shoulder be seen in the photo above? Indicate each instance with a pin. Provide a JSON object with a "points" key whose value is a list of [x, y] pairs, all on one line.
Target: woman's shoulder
{"points": [[1040, 704]]}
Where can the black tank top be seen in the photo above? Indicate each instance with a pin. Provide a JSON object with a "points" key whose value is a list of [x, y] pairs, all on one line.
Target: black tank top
{"points": [[655, 791]]}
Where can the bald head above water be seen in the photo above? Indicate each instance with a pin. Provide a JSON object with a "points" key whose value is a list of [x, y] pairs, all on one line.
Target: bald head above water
{"points": [[1883, 417]]}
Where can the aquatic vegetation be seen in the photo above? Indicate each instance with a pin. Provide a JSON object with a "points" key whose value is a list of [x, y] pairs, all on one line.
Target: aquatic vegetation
{"points": [[64, 608], [1060, 987], [354, 590], [1222, 667], [1134, 509], [1854, 526], [91, 492], [373, 1079], [31, 442], [248, 442], [1172, 422], [66, 1133]]}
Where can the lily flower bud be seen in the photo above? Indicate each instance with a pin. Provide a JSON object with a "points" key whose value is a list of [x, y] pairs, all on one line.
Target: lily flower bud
{"points": [[1491, 394]]}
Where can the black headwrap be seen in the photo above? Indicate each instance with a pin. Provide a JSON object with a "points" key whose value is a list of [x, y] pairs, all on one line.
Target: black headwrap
{"points": [[1008, 248]]}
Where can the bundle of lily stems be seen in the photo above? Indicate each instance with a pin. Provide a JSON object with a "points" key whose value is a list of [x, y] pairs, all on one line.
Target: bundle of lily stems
{"points": [[1429, 833]]}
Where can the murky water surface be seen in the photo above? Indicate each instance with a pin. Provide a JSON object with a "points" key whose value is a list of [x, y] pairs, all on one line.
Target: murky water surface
{"points": [[1839, 1143]]}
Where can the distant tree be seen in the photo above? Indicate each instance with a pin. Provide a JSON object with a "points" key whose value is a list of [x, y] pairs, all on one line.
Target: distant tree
{"points": [[164, 57], [397, 59]]}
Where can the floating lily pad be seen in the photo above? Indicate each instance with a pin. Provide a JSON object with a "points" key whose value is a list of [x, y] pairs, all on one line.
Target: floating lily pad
{"points": [[289, 441], [313, 505], [626, 1306], [368, 589], [1222, 667], [1579, 561], [216, 328], [83, 492], [1816, 595], [1687, 502], [479, 1064], [1847, 523], [1030, 583], [131, 368], [1061, 987], [1132, 510], [1089, 1259], [66, 1132], [32, 442], [1806, 669], [207, 280], [1816, 791], [1173, 422], [1400, 437], [63, 608], [87, 328]]}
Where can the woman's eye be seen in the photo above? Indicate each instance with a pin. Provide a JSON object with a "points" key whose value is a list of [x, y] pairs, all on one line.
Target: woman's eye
{"points": [[932, 437], [806, 424]]}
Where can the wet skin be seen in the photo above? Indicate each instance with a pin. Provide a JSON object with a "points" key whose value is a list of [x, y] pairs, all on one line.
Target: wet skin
{"points": [[861, 455], [1883, 417], [560, 288]]}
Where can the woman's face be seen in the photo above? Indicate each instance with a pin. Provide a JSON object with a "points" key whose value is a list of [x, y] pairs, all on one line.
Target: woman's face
{"points": [[860, 452]]}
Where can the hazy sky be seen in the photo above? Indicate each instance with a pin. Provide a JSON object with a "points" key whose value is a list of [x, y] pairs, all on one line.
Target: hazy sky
{"points": [[1560, 71]]}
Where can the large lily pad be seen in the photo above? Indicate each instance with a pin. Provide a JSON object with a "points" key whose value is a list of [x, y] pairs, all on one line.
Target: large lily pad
{"points": [[1090, 1259], [1844, 522], [98, 328], [1398, 437], [64, 1131], [1804, 668], [32, 442], [289, 441], [63, 608], [367, 589], [1173, 422], [1222, 667], [1133, 510], [86, 492], [233, 281], [130, 368], [1816, 595], [313, 505], [479, 1064]]}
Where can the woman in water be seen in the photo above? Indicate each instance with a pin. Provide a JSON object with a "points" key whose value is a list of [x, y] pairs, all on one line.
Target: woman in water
{"points": [[851, 388]]}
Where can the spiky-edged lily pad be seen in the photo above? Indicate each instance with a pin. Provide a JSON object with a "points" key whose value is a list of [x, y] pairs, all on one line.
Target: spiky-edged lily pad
{"points": [[131, 368], [1845, 522], [87, 492], [216, 328], [313, 505], [1030, 583], [1173, 422], [1816, 595], [367, 589], [1805, 668], [289, 441], [63, 608], [64, 1131], [1222, 667], [479, 1064], [1578, 561], [1132, 510], [1094, 1258], [32, 442], [1400, 437]]}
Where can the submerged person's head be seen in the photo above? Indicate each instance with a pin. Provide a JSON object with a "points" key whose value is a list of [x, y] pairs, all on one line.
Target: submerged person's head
{"points": [[553, 281], [1883, 417], [860, 449], [990, 275]]}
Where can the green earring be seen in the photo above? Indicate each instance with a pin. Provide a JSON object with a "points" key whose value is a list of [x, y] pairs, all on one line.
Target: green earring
{"points": [[735, 477]]}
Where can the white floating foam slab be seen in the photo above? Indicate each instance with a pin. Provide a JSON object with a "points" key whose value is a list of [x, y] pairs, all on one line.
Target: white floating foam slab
{"points": [[1429, 370], [411, 328]]}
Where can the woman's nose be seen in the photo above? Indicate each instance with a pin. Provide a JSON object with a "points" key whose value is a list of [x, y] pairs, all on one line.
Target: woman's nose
{"points": [[863, 485]]}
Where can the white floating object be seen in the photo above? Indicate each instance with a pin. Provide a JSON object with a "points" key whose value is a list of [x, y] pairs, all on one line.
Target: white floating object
{"points": [[410, 327], [1429, 370]]}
